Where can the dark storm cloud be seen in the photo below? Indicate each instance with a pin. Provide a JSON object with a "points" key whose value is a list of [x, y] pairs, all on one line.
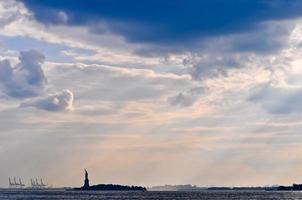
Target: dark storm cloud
{"points": [[165, 24]]}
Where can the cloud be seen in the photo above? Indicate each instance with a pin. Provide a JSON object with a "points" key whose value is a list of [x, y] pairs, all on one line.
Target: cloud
{"points": [[236, 51], [165, 23], [208, 65], [8, 13], [58, 101], [26, 79], [186, 99], [107, 83], [277, 100], [181, 100], [267, 37]]}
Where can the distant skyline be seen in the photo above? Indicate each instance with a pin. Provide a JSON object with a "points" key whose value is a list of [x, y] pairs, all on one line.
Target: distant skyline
{"points": [[207, 93]]}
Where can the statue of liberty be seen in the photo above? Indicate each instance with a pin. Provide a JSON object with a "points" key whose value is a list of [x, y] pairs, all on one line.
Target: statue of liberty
{"points": [[86, 181]]}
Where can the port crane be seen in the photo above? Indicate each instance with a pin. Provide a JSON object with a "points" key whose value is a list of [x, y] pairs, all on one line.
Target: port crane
{"points": [[35, 183], [15, 184]]}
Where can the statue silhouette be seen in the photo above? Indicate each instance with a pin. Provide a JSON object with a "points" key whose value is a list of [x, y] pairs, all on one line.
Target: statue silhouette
{"points": [[86, 181], [107, 187]]}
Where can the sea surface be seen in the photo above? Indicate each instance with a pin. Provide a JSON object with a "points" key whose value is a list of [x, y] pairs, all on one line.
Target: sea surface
{"points": [[85, 195]]}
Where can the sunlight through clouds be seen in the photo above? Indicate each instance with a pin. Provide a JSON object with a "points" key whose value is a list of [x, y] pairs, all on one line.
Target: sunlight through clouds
{"points": [[147, 103]]}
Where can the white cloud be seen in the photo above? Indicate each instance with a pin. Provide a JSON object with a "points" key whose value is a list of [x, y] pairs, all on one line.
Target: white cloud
{"points": [[10, 12], [278, 100], [58, 101], [116, 84], [63, 17], [26, 79]]}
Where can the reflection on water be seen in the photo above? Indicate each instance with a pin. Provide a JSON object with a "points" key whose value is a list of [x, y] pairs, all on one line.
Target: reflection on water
{"points": [[83, 195]]}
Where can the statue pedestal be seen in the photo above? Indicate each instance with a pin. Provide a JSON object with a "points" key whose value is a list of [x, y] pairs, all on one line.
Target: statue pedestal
{"points": [[86, 183]]}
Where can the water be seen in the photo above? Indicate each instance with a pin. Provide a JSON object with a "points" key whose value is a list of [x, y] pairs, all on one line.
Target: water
{"points": [[85, 195]]}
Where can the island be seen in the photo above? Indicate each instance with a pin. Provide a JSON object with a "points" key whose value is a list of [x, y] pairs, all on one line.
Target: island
{"points": [[294, 187], [107, 187]]}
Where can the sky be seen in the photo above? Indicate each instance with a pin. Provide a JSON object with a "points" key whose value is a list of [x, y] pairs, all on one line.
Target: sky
{"points": [[151, 92]]}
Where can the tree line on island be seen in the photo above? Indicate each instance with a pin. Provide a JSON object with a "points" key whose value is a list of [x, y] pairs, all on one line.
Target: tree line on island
{"points": [[188, 187], [108, 187]]}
